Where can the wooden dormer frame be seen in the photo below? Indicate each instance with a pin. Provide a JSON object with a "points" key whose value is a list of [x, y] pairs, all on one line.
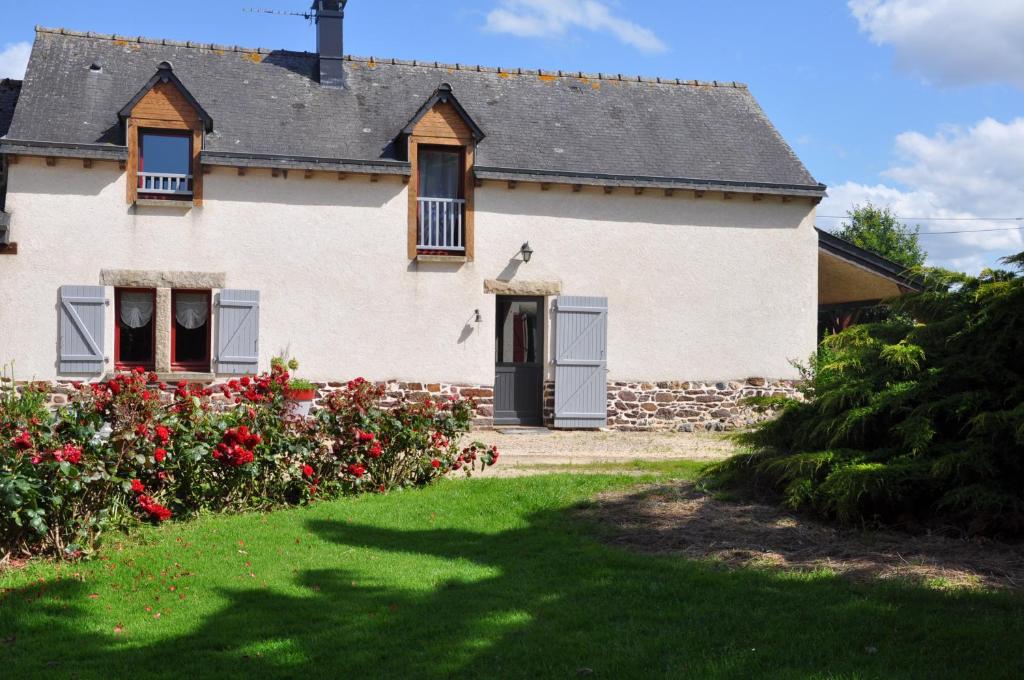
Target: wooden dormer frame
{"points": [[164, 104], [442, 121]]}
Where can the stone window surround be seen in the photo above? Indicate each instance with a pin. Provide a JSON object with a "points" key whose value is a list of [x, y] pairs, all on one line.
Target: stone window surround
{"points": [[163, 282]]}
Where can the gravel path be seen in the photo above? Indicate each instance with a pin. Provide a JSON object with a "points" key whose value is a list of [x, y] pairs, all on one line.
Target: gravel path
{"points": [[527, 447]]}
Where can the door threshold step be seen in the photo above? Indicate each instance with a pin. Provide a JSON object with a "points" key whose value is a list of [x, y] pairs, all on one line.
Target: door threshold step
{"points": [[508, 429]]}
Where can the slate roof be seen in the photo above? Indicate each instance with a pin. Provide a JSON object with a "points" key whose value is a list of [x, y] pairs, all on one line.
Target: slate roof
{"points": [[9, 91], [269, 109]]}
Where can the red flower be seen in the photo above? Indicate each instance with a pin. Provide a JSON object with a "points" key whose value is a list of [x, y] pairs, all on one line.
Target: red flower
{"points": [[23, 441], [236, 446], [376, 450], [142, 430], [364, 436], [246, 381], [154, 378], [115, 388], [357, 470], [69, 454], [435, 463], [307, 470], [137, 486], [159, 455], [153, 509], [162, 433]]}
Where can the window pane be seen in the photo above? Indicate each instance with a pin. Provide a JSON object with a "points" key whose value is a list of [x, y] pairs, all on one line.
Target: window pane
{"points": [[166, 154], [135, 328], [439, 173], [518, 332], [191, 329]]}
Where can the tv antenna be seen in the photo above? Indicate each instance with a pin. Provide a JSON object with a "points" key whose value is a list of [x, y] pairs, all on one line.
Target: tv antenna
{"points": [[277, 12], [309, 16]]}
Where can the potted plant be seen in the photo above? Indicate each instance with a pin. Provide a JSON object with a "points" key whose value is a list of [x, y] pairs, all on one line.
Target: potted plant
{"points": [[298, 390]]}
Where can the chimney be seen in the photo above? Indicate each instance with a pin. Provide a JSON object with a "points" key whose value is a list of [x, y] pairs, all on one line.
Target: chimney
{"points": [[330, 18]]}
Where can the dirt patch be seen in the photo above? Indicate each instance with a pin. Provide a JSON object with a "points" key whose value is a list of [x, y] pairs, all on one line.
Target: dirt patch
{"points": [[680, 519]]}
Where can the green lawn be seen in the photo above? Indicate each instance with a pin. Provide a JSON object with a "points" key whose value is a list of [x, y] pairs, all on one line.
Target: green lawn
{"points": [[486, 578]]}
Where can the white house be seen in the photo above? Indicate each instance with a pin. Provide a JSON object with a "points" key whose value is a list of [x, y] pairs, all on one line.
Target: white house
{"points": [[565, 247]]}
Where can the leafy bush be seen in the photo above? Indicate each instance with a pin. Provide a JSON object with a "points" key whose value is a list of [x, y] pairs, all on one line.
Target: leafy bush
{"points": [[909, 421], [119, 453], [409, 444]]}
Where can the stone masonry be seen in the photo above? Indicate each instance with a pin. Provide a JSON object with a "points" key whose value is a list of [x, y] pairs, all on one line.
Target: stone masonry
{"points": [[482, 395], [684, 406], [691, 406]]}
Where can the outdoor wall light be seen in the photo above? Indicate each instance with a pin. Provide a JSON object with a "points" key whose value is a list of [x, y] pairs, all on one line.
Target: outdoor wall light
{"points": [[526, 251], [476, 316]]}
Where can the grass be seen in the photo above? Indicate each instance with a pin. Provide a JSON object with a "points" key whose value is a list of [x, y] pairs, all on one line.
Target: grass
{"points": [[487, 578]]}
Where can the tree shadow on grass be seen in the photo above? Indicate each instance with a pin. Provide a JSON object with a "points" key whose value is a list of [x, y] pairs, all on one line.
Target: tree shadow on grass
{"points": [[548, 601]]}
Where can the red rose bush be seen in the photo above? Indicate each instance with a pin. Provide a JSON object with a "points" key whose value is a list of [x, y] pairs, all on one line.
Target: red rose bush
{"points": [[132, 449]]}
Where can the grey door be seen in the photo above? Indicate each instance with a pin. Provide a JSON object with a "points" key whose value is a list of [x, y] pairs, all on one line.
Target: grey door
{"points": [[581, 358], [519, 364]]}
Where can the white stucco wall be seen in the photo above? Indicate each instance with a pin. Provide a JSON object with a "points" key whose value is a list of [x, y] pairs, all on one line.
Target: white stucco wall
{"points": [[699, 289]]}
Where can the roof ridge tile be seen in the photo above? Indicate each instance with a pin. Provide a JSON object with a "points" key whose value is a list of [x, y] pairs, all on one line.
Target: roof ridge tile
{"points": [[397, 62]]}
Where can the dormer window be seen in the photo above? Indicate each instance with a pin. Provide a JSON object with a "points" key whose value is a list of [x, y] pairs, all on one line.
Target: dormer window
{"points": [[165, 165], [164, 128], [441, 140], [441, 201]]}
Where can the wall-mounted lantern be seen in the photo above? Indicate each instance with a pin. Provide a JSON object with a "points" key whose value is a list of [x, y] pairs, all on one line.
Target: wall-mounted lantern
{"points": [[526, 251]]}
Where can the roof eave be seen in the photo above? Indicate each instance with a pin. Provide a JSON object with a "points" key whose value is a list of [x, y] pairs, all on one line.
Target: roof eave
{"points": [[258, 160], [817, 191], [897, 273], [25, 147]]}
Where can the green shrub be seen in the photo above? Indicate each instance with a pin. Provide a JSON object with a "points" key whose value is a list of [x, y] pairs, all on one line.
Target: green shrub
{"points": [[903, 420]]}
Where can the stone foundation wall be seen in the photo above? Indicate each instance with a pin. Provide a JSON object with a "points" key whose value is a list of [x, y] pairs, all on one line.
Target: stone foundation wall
{"points": [[632, 406], [482, 395], [690, 406]]}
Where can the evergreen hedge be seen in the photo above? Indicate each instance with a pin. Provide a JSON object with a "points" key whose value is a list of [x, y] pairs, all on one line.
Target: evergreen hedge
{"points": [[908, 421]]}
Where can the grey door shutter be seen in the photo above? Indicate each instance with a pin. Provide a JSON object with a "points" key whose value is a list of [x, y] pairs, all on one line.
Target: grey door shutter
{"points": [[581, 357], [83, 312], [238, 332]]}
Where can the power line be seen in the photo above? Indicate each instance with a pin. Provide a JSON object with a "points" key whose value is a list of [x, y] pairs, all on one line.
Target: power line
{"points": [[968, 231], [939, 219]]}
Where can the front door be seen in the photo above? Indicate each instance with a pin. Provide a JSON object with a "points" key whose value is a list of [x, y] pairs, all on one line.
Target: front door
{"points": [[519, 366]]}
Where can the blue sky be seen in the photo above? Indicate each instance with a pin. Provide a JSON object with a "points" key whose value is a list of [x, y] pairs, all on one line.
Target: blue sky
{"points": [[918, 104]]}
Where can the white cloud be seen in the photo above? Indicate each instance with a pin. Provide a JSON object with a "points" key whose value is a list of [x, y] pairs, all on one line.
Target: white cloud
{"points": [[956, 173], [953, 42], [14, 59], [553, 18]]}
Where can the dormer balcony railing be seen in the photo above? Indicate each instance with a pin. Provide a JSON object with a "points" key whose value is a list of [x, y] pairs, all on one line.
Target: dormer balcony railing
{"points": [[165, 184], [442, 225]]}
